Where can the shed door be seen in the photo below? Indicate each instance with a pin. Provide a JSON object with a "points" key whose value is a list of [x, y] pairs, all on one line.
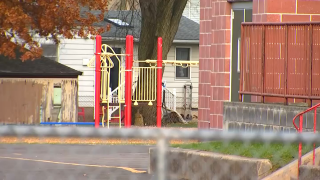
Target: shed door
{"points": [[239, 16]]}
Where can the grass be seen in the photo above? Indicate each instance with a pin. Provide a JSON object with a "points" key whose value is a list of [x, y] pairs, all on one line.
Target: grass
{"points": [[279, 154], [192, 124]]}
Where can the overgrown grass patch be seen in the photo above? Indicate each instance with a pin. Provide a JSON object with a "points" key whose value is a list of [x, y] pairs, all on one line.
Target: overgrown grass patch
{"points": [[191, 124], [278, 153]]}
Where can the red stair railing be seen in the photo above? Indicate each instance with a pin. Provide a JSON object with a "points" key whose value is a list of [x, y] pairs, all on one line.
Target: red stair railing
{"points": [[299, 129]]}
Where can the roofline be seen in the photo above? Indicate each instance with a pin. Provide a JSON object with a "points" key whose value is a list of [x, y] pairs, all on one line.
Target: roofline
{"points": [[186, 41], [40, 75], [137, 40], [232, 1]]}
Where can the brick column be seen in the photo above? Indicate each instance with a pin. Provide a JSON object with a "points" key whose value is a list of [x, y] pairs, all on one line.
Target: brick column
{"points": [[214, 57], [204, 59]]}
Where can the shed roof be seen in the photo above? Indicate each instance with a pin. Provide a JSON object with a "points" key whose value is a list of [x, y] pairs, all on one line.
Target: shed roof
{"points": [[41, 68]]}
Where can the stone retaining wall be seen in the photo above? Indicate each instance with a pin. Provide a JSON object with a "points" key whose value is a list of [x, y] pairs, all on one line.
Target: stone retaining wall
{"points": [[264, 117], [307, 172], [193, 164]]}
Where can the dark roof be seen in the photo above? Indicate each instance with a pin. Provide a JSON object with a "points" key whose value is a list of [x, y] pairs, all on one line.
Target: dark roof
{"points": [[188, 29], [231, 1], [42, 67]]}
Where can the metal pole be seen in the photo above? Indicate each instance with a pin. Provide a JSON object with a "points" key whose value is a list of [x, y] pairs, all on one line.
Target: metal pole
{"points": [[97, 82], [130, 63], [159, 81], [300, 144], [314, 131], [127, 83]]}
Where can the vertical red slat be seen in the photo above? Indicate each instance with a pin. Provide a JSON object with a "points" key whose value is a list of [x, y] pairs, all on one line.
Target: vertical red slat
{"points": [[262, 62], [286, 64], [310, 62], [242, 55]]}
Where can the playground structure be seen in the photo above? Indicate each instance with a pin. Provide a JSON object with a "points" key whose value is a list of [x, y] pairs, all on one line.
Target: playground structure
{"points": [[135, 84]]}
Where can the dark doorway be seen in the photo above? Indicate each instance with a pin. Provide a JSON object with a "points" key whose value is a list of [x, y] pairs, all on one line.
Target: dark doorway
{"points": [[238, 16], [114, 72]]}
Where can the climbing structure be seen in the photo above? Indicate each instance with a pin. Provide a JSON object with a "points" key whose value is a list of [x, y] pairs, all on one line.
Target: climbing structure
{"points": [[135, 84]]}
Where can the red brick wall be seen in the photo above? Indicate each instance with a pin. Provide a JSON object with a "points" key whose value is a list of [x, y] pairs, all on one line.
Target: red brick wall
{"points": [[286, 10], [214, 57]]}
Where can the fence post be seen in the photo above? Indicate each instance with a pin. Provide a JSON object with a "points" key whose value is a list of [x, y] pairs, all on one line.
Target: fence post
{"points": [[174, 99], [159, 81], [162, 146], [97, 82]]}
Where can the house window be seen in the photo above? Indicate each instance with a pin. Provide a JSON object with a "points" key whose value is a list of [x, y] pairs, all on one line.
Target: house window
{"points": [[184, 55], [57, 92], [50, 51]]}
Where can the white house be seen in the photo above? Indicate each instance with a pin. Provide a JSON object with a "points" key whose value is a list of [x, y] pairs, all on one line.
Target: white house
{"points": [[192, 10], [75, 53]]}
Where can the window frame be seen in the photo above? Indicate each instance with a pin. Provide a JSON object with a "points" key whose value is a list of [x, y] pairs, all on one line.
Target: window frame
{"points": [[57, 89], [175, 67], [57, 51]]}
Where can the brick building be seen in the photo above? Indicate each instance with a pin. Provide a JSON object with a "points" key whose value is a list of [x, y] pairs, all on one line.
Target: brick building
{"points": [[220, 32]]}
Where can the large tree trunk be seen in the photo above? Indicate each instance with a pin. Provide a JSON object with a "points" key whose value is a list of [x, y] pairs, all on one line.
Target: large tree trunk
{"points": [[160, 18]]}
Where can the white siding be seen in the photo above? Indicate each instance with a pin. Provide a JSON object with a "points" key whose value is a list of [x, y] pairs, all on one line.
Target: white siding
{"points": [[71, 53], [178, 84], [192, 10]]}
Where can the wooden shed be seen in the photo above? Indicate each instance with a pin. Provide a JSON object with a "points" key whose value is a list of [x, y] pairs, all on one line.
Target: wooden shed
{"points": [[34, 91]]}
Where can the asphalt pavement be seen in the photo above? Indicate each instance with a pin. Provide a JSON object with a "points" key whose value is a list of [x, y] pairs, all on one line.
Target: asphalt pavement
{"points": [[73, 162]]}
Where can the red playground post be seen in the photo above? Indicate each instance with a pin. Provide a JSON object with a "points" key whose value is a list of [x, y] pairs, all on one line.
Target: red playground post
{"points": [[97, 82], [128, 80], [159, 81]]}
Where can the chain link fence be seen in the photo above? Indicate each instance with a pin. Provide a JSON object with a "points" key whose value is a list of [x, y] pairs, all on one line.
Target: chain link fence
{"points": [[42, 152], [86, 104]]}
